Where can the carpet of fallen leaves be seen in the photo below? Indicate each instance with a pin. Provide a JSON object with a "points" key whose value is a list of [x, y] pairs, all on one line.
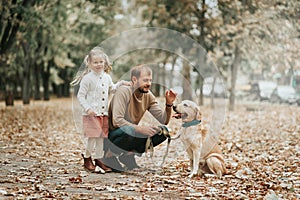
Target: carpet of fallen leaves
{"points": [[40, 158]]}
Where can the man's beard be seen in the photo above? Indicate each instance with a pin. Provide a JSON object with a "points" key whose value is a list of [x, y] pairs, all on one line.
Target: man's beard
{"points": [[141, 89]]}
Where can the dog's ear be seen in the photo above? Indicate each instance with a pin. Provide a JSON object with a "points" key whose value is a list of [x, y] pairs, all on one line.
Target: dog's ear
{"points": [[199, 114]]}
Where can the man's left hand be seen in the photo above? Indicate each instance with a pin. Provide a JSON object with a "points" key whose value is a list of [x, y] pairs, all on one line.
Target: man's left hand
{"points": [[170, 97]]}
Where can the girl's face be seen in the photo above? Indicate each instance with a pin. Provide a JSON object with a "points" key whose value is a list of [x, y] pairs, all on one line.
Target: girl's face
{"points": [[97, 63]]}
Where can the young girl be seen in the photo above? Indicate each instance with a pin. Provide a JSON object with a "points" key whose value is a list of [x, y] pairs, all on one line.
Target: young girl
{"points": [[93, 94]]}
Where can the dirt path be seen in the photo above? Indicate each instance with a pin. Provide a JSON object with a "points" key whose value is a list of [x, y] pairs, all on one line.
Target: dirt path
{"points": [[40, 158]]}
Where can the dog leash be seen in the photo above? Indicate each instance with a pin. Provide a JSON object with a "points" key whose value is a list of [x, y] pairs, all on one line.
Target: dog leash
{"points": [[164, 130], [149, 145]]}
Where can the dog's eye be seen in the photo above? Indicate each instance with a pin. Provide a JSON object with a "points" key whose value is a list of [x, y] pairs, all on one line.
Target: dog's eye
{"points": [[185, 105]]}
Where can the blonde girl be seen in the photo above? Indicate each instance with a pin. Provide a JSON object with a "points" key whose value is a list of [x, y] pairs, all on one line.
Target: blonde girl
{"points": [[95, 84]]}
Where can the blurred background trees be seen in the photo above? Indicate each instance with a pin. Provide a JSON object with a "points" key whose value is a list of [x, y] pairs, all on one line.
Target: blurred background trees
{"points": [[43, 43]]}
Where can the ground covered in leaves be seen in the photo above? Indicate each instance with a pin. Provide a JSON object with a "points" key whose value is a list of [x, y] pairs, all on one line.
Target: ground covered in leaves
{"points": [[40, 158]]}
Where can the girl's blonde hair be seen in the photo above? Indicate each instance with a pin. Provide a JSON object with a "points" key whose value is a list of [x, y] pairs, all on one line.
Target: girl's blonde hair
{"points": [[97, 51]]}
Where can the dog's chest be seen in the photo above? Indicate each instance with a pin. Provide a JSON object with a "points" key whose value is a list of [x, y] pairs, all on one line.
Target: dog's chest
{"points": [[190, 136]]}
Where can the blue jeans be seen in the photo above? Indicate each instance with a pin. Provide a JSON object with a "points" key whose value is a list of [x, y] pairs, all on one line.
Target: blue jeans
{"points": [[125, 139]]}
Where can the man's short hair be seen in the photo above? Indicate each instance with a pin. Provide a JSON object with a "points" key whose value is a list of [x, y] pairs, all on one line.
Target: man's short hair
{"points": [[137, 70]]}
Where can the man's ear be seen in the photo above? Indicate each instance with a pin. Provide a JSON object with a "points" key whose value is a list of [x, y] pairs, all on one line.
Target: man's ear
{"points": [[134, 79]]}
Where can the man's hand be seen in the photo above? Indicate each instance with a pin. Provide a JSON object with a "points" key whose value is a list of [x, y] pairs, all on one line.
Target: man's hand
{"points": [[147, 130], [170, 97]]}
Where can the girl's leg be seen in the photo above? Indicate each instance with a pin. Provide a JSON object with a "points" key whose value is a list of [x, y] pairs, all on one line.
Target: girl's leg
{"points": [[99, 153], [89, 147], [99, 148]]}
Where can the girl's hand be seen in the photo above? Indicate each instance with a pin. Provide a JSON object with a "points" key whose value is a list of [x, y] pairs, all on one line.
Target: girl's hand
{"points": [[90, 112], [127, 83]]}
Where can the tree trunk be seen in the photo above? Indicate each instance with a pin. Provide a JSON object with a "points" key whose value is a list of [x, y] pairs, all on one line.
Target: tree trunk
{"points": [[186, 83], [201, 41], [212, 95], [46, 76], [163, 74], [9, 30], [200, 81], [234, 69], [171, 75], [26, 84], [59, 90], [9, 98], [66, 89], [16, 92], [26, 73], [37, 74], [156, 85]]}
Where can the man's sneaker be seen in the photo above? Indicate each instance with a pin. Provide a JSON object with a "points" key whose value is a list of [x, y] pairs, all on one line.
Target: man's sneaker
{"points": [[128, 161]]}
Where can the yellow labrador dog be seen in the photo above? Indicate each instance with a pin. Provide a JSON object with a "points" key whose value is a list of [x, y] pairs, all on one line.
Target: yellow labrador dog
{"points": [[203, 150]]}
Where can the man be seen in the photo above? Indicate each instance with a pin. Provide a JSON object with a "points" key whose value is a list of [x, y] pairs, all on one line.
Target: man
{"points": [[126, 109]]}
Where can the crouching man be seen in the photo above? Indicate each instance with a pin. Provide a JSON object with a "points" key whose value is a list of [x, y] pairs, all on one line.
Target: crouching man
{"points": [[127, 107]]}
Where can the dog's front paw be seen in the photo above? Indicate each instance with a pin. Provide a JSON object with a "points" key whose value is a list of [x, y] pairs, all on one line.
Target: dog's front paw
{"points": [[192, 175], [200, 172]]}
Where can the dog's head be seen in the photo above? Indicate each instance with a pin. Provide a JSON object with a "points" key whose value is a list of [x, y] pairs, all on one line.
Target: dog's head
{"points": [[188, 111]]}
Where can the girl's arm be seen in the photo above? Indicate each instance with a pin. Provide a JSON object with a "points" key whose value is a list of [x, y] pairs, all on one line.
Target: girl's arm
{"points": [[81, 96], [113, 86]]}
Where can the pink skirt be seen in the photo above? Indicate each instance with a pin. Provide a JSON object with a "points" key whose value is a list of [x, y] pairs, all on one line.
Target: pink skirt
{"points": [[95, 126]]}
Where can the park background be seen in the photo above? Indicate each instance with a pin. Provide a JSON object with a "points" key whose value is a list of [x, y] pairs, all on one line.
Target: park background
{"points": [[43, 44], [254, 44]]}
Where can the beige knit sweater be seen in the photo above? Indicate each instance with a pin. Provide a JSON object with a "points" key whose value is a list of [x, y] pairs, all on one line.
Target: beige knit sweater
{"points": [[127, 108]]}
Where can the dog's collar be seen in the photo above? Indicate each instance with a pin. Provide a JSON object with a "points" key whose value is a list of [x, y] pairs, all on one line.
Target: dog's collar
{"points": [[191, 123]]}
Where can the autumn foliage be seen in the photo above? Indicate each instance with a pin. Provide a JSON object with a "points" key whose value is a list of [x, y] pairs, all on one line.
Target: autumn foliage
{"points": [[40, 158]]}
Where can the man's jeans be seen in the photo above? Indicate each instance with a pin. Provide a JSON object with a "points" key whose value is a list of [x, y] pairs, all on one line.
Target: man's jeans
{"points": [[125, 139]]}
